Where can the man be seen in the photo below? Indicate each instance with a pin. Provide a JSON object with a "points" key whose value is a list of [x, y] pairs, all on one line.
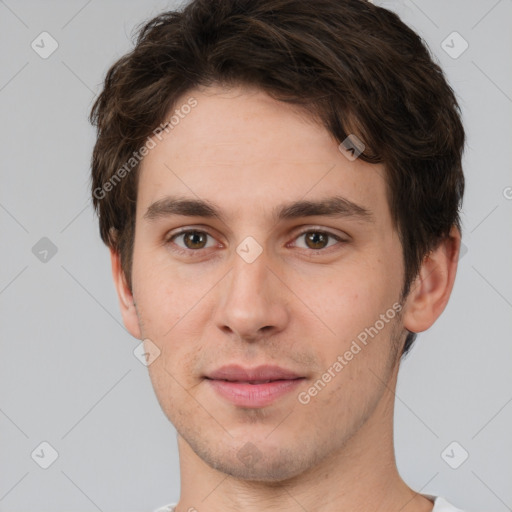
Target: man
{"points": [[279, 183]]}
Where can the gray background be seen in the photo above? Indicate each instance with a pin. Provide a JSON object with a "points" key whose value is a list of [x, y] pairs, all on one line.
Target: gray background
{"points": [[68, 375]]}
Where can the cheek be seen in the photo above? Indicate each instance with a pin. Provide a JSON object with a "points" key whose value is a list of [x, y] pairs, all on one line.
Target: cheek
{"points": [[174, 307], [345, 298], [355, 308], [164, 292]]}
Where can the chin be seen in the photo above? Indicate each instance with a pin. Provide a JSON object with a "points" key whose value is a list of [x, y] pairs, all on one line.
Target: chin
{"points": [[269, 464], [265, 471]]}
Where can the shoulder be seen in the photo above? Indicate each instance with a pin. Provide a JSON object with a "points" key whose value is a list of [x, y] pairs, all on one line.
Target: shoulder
{"points": [[166, 508], [441, 505]]}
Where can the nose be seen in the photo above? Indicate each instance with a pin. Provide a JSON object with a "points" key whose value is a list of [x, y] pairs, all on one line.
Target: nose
{"points": [[252, 302]]}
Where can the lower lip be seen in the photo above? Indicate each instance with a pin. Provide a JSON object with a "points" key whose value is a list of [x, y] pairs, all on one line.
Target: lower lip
{"points": [[254, 395]]}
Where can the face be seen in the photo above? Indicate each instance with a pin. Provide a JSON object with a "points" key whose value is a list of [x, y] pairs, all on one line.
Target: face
{"points": [[276, 250]]}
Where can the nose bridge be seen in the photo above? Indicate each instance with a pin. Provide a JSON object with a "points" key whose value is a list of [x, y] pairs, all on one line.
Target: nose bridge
{"points": [[249, 276], [250, 298]]}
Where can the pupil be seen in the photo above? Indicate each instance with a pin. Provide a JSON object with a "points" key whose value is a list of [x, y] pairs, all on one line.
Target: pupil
{"points": [[194, 240], [317, 239]]}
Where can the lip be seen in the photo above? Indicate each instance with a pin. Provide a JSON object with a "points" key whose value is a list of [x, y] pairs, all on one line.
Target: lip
{"points": [[238, 373], [254, 396], [247, 387]]}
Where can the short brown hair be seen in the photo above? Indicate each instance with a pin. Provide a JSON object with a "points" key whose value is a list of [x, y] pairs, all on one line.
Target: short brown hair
{"points": [[355, 67]]}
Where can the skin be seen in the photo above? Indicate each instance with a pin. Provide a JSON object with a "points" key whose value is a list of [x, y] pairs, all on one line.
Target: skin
{"points": [[293, 306]]}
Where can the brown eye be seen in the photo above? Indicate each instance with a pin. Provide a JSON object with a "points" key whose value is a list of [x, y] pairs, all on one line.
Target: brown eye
{"points": [[195, 239], [316, 240], [192, 240]]}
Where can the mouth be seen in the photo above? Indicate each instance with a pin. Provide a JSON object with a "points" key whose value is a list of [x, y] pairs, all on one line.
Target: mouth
{"points": [[253, 387], [253, 382], [258, 374]]}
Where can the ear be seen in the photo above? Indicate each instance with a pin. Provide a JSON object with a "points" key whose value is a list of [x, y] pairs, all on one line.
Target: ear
{"points": [[124, 294], [432, 287]]}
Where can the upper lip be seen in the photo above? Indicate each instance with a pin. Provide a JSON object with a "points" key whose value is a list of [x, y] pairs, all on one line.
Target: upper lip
{"points": [[259, 373]]}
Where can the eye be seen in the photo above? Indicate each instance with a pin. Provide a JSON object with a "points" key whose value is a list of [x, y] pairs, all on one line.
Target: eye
{"points": [[192, 239], [317, 240]]}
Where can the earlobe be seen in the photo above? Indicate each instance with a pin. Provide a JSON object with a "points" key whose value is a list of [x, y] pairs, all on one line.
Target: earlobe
{"points": [[124, 294], [432, 287]]}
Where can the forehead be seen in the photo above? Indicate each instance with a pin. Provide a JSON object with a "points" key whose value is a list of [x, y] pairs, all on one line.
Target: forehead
{"points": [[244, 150]]}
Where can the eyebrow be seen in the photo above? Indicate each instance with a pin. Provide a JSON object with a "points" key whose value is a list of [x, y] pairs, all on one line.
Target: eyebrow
{"points": [[335, 206]]}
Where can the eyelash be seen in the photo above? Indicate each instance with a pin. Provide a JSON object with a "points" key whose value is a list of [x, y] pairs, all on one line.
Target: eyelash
{"points": [[192, 252]]}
